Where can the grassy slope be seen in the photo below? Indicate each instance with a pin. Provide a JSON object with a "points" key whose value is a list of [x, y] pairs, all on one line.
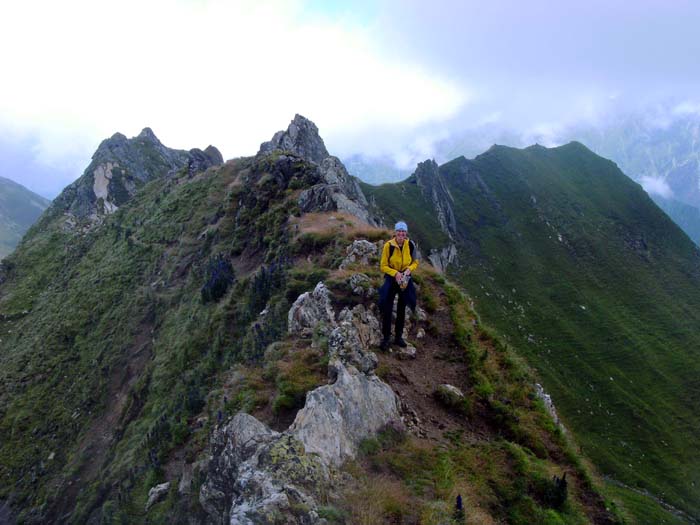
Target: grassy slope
{"points": [[623, 371], [78, 311], [19, 208], [113, 370]]}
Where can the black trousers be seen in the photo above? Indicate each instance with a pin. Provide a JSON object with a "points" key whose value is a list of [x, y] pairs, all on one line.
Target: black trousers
{"points": [[387, 308]]}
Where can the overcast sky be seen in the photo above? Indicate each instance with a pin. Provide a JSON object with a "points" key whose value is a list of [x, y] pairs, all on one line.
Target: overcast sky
{"points": [[388, 77]]}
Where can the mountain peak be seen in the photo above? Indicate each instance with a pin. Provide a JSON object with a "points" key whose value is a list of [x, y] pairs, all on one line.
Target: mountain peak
{"points": [[301, 138], [147, 134]]}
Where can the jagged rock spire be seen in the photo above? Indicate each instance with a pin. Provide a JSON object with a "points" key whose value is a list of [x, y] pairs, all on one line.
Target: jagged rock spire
{"points": [[119, 166], [301, 138]]}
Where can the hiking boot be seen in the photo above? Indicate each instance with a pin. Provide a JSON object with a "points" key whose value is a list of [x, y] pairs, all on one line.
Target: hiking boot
{"points": [[386, 344], [400, 342]]}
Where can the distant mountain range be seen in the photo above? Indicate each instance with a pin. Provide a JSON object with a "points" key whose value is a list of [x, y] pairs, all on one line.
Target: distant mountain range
{"points": [[660, 151], [19, 208]]}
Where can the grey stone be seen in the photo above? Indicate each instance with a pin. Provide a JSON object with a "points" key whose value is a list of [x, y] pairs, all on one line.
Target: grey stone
{"points": [[337, 417], [157, 493], [358, 330], [311, 310], [301, 138], [548, 403], [360, 284], [442, 258], [199, 160], [360, 252], [259, 474], [407, 353], [451, 396]]}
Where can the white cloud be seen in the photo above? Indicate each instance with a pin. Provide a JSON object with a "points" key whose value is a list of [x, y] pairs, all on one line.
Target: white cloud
{"points": [[200, 72], [656, 186], [687, 108]]}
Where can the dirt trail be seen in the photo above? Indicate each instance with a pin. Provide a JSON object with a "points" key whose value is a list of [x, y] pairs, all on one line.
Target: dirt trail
{"points": [[438, 361], [415, 381]]}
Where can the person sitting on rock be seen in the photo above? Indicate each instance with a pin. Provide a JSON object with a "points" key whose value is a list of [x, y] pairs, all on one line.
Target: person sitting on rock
{"points": [[397, 263]]}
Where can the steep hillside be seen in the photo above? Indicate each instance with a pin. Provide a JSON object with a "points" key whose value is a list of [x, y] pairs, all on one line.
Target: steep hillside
{"points": [[19, 208], [134, 347], [686, 216], [591, 282]]}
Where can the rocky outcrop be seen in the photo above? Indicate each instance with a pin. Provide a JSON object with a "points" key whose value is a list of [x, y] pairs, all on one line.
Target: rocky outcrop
{"points": [[433, 186], [360, 252], [338, 417], [258, 475], [199, 160], [441, 258], [548, 404], [311, 311], [301, 138], [359, 284], [118, 168], [338, 190]]}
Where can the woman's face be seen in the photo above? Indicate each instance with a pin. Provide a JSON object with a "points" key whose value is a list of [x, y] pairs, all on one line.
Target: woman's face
{"points": [[401, 236]]}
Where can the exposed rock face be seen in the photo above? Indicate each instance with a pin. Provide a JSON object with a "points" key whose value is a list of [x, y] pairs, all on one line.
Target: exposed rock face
{"points": [[338, 191], [118, 168], [360, 251], [301, 138], [440, 259], [311, 310], [433, 187], [202, 160], [548, 404]]}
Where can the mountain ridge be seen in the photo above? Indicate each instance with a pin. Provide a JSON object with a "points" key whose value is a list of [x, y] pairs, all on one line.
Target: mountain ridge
{"points": [[19, 208], [188, 321], [546, 235]]}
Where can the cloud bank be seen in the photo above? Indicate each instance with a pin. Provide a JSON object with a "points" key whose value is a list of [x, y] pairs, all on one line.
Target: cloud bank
{"points": [[383, 78]]}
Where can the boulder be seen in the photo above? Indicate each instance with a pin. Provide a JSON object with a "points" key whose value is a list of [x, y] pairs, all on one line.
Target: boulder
{"points": [[452, 397], [337, 417], [231, 445], [157, 493]]}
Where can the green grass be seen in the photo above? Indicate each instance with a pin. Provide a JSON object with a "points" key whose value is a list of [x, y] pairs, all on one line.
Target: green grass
{"points": [[79, 311], [19, 209], [608, 313]]}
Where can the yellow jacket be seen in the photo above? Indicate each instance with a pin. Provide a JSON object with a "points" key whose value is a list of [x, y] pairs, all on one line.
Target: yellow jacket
{"points": [[400, 258]]}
